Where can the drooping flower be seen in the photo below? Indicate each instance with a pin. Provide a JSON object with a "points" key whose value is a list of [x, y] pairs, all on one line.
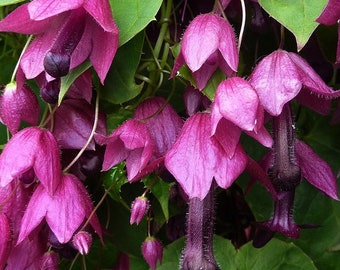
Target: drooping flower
{"points": [[208, 43], [143, 140], [67, 33], [282, 76], [152, 252], [64, 212], [131, 142], [236, 107], [196, 158], [31, 148]]}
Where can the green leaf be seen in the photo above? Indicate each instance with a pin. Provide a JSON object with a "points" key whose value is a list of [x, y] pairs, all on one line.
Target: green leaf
{"points": [[69, 79], [312, 207], [161, 191], [275, 255], [120, 84], [9, 2], [211, 87], [113, 180], [223, 249], [131, 16], [298, 16]]}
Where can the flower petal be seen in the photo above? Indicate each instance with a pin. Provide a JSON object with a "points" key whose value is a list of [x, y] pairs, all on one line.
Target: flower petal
{"points": [[310, 79], [315, 170], [18, 155], [192, 159], [331, 13], [105, 45], [35, 212], [100, 10], [227, 170], [47, 165], [237, 101], [73, 123], [42, 9], [200, 40], [162, 121], [23, 26], [67, 209], [276, 80]]}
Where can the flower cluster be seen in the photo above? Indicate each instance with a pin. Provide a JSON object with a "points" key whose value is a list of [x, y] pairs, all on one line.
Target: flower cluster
{"points": [[165, 153]]}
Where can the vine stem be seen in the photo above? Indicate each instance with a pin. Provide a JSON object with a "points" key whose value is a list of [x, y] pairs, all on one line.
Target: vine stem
{"points": [[244, 15], [18, 63], [95, 123]]}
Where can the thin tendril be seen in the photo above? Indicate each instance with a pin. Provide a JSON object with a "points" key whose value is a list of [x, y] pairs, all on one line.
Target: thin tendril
{"points": [[49, 117], [95, 123], [22, 53], [73, 261], [242, 25], [282, 37], [99, 203]]}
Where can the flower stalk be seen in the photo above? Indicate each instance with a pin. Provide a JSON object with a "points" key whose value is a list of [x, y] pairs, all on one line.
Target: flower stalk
{"points": [[198, 253]]}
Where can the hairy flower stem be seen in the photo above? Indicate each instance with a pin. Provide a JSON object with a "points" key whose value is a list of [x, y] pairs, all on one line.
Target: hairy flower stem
{"points": [[285, 174], [198, 253]]}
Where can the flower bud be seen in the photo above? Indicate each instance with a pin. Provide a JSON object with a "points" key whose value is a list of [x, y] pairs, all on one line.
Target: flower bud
{"points": [[50, 91], [152, 251], [82, 241], [57, 64], [138, 209]]}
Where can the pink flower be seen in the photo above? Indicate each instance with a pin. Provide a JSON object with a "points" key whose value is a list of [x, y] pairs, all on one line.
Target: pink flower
{"points": [[31, 148], [64, 212], [208, 43], [282, 76], [67, 33], [152, 252], [235, 108], [196, 158], [131, 142], [143, 140]]}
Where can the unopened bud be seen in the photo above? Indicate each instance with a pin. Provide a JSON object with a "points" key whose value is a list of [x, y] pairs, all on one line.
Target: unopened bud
{"points": [[138, 209], [82, 241], [50, 92], [57, 64], [152, 251]]}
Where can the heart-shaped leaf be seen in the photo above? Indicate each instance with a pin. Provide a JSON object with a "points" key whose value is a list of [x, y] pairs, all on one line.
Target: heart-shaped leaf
{"points": [[298, 16]]}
